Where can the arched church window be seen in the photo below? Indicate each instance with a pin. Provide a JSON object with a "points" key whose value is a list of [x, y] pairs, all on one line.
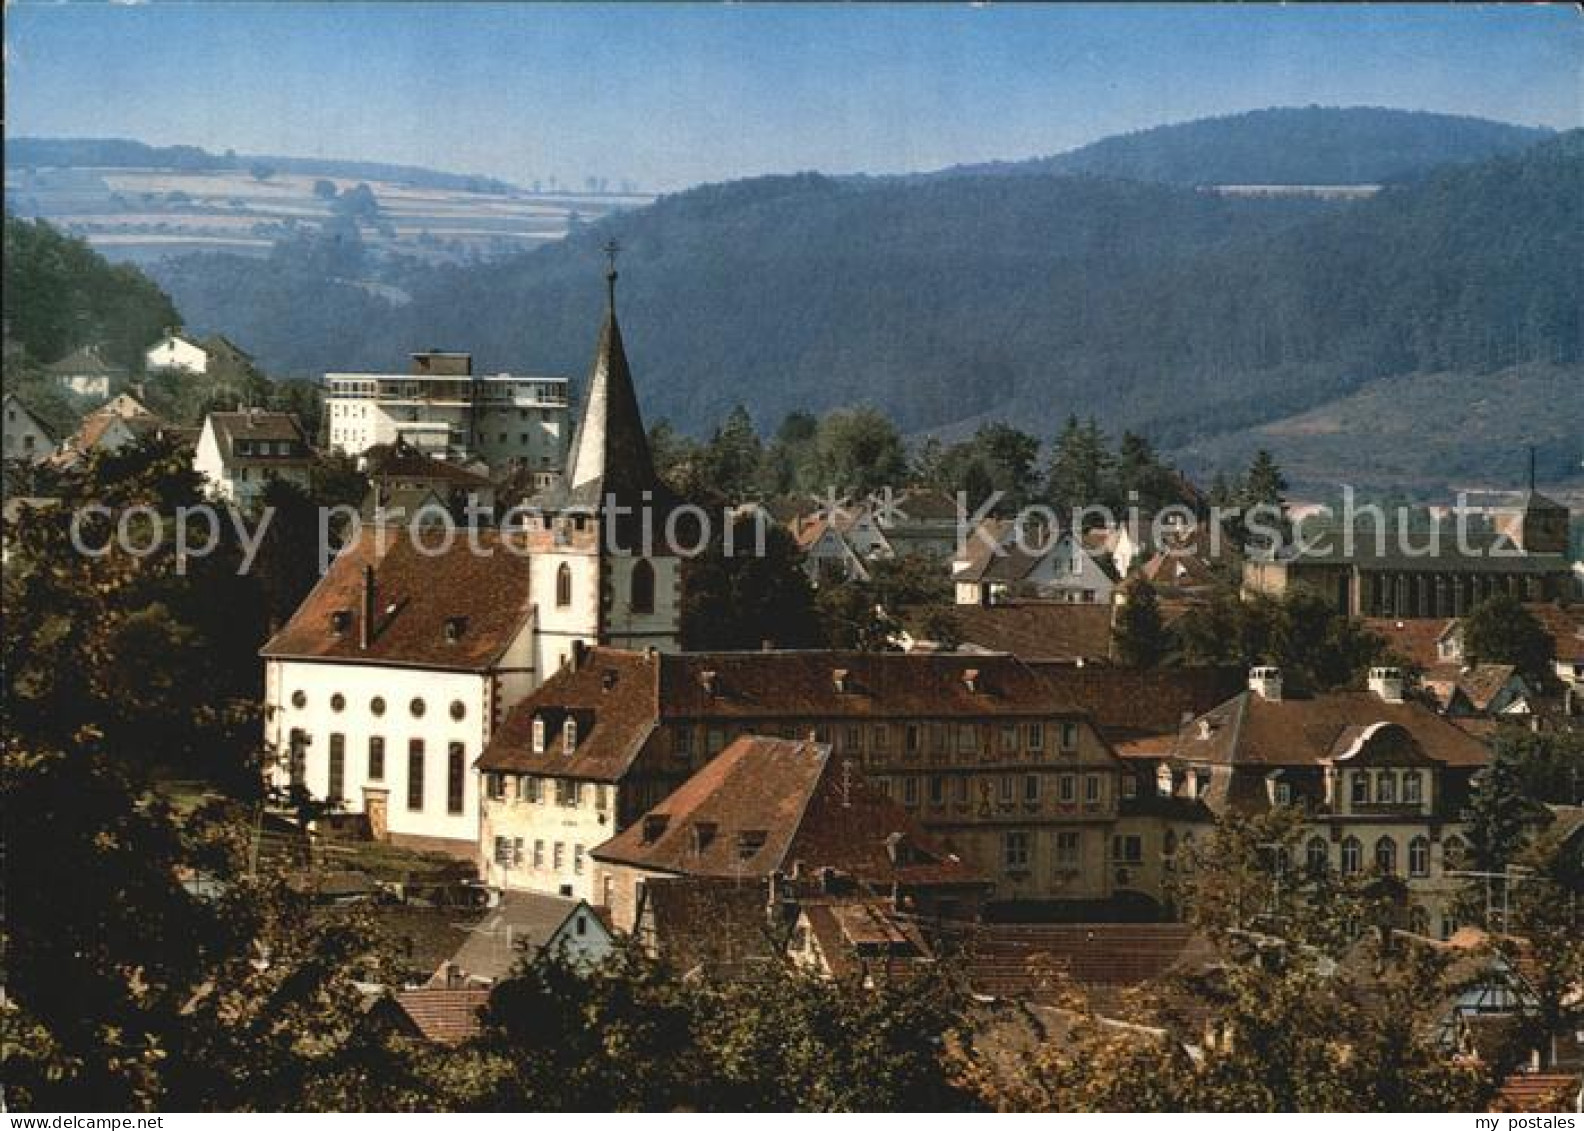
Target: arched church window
{"points": [[643, 587], [563, 586]]}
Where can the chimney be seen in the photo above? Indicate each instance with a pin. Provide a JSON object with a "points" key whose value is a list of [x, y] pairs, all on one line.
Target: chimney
{"points": [[1387, 683], [1266, 682], [366, 622], [579, 651]]}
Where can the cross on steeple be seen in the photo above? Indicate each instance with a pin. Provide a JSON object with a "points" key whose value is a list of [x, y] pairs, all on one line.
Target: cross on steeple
{"points": [[612, 250]]}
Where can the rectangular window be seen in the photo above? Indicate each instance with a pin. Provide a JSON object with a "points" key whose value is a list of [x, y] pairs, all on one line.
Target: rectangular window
{"points": [[376, 759], [1386, 787], [1413, 787], [456, 777], [939, 740], [415, 775], [682, 742], [910, 791], [560, 855], [565, 793], [852, 739], [1066, 850], [877, 740], [1067, 789], [577, 859], [1361, 787], [1129, 786], [1127, 849], [1283, 793], [297, 755], [967, 738], [538, 854], [1036, 736], [1008, 789], [714, 740], [495, 786], [1031, 789], [1015, 851], [937, 790], [1069, 736], [911, 739], [535, 788], [960, 791], [602, 797], [503, 852], [337, 791], [1092, 789], [1008, 738]]}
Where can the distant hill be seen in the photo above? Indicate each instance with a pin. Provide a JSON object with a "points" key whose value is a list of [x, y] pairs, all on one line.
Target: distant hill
{"points": [[947, 301], [119, 153], [1285, 146]]}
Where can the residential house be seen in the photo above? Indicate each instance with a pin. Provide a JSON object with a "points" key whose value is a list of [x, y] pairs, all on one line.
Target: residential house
{"points": [[985, 753], [392, 676], [858, 937], [112, 426], [1480, 690], [176, 352], [86, 373], [785, 808], [520, 928], [461, 488], [1050, 567], [1383, 782], [241, 453], [27, 438], [431, 1013]]}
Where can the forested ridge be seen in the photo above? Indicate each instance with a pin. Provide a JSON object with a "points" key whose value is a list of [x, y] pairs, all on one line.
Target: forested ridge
{"points": [[948, 302]]}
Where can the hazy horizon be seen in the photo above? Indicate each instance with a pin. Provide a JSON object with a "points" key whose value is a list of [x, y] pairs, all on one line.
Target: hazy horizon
{"points": [[670, 96]]}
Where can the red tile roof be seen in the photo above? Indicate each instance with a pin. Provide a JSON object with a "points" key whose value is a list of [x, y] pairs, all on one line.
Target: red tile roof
{"points": [[771, 805], [483, 595], [1306, 731], [445, 1016], [1035, 630], [1021, 960], [1413, 640], [1539, 1092]]}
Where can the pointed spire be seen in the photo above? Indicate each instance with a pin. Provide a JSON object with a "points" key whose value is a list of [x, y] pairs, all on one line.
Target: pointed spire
{"points": [[610, 449]]}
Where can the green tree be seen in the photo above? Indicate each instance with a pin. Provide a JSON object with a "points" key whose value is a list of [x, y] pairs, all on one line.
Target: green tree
{"points": [[1080, 466], [856, 450], [1500, 810], [745, 598], [732, 460], [1139, 634], [1499, 630]]}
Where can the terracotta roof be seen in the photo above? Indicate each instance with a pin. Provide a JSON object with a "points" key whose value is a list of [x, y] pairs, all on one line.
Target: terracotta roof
{"points": [[402, 461], [445, 1016], [1414, 640], [1539, 1092], [1019, 960], [1306, 731], [769, 805], [1178, 570], [619, 698], [480, 598], [1565, 625], [865, 935], [1034, 630], [1479, 684], [1127, 703], [716, 923]]}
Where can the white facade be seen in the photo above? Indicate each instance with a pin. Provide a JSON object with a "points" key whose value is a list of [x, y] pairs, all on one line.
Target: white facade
{"points": [[500, 419], [242, 477], [26, 438], [538, 832], [174, 352], [85, 384]]}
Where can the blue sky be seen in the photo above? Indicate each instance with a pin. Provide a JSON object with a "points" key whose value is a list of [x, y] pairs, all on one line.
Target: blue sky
{"points": [[671, 95]]}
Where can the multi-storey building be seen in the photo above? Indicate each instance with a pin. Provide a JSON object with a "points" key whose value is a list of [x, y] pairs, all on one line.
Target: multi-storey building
{"points": [[389, 679], [985, 753], [241, 453], [1382, 782], [442, 409]]}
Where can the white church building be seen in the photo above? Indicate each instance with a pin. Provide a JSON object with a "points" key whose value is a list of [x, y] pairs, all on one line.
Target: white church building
{"points": [[385, 685]]}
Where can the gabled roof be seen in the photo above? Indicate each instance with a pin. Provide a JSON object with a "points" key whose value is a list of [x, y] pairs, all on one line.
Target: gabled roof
{"points": [[1479, 684], [1250, 730], [717, 924], [402, 461], [522, 925], [444, 1016], [257, 424], [768, 806], [85, 361], [1032, 630], [13, 401], [484, 595], [1417, 641]]}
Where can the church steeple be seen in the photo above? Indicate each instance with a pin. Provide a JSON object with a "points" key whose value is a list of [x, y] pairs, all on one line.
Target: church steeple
{"points": [[610, 455]]}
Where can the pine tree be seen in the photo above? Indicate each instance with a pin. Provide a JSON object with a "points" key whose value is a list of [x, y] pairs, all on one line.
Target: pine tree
{"points": [[1139, 635]]}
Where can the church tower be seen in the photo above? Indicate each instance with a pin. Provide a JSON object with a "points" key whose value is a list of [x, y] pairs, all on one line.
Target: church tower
{"points": [[603, 571]]}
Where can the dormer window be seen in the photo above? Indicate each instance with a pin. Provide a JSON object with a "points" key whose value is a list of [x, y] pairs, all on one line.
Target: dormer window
{"points": [[608, 679], [703, 836], [654, 827], [341, 621], [569, 736], [971, 680], [1413, 787], [749, 842], [839, 679], [709, 682], [538, 736], [454, 628]]}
